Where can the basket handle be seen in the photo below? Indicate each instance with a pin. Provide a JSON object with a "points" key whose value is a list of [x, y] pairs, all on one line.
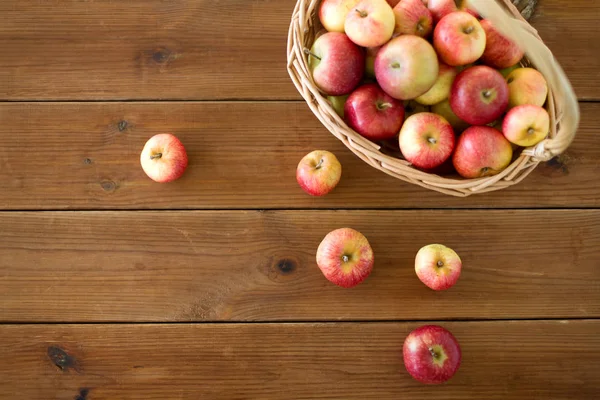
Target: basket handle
{"points": [[562, 101]]}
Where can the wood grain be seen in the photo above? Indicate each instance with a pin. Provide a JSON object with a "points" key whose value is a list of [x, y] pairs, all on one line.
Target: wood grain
{"points": [[201, 49], [242, 155], [260, 266], [501, 361]]}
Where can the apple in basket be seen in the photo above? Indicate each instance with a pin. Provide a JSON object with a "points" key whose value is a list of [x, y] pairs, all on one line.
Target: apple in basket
{"points": [[479, 95], [345, 257], [406, 67], [526, 86], [373, 113], [441, 88], [438, 266], [370, 23], [481, 151], [440, 8], [443, 108], [337, 65], [431, 354], [412, 17], [526, 125], [426, 140], [164, 158], [500, 52], [319, 172], [371, 53], [459, 39], [332, 13]]}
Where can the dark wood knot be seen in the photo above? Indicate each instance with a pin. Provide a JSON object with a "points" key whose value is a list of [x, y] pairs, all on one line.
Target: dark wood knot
{"points": [[87, 161], [63, 360], [122, 125], [286, 266], [83, 393], [162, 55], [108, 186]]}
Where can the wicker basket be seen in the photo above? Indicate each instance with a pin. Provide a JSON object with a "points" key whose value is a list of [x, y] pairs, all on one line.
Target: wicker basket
{"points": [[561, 104]]}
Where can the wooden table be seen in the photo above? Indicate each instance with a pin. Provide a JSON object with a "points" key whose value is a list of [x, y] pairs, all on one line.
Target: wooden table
{"points": [[115, 287]]}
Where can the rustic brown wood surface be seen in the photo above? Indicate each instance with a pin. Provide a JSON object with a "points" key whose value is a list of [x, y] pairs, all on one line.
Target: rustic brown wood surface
{"points": [[502, 360], [202, 49], [242, 155], [115, 287], [250, 265]]}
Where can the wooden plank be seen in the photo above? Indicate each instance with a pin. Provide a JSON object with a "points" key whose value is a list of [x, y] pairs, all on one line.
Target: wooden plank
{"points": [[260, 266], [242, 155], [201, 49], [501, 361]]}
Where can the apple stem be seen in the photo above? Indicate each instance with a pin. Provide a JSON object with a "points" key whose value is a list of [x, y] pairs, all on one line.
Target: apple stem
{"points": [[310, 53], [433, 353], [432, 140], [487, 94], [468, 30], [155, 156], [384, 106], [345, 258], [362, 14], [530, 131], [320, 164], [440, 263]]}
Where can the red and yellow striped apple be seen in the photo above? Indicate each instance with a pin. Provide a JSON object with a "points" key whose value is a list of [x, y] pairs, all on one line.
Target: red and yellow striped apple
{"points": [[438, 266], [370, 23], [459, 39], [526, 86], [413, 18], [332, 13], [481, 151], [500, 52], [319, 172], [164, 158], [526, 125], [426, 140]]}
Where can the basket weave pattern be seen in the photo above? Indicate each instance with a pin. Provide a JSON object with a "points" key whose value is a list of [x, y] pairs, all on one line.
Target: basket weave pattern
{"points": [[561, 104]]}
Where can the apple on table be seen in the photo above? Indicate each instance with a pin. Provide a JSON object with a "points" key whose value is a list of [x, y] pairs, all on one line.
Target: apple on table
{"points": [[438, 266], [481, 151], [426, 140], [459, 39], [164, 158], [319, 172], [370, 23]]}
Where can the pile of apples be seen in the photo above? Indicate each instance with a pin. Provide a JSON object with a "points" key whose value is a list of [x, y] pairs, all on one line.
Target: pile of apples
{"points": [[431, 77]]}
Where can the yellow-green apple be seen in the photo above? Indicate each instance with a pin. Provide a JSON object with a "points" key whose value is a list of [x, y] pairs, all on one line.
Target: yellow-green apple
{"points": [[431, 354], [481, 151], [318, 172], [526, 86], [332, 13], [526, 125], [507, 71], [441, 88], [479, 95], [338, 102], [370, 23], [459, 39], [500, 52], [336, 63], [345, 257], [413, 18], [164, 158], [373, 113], [426, 140], [406, 67], [438, 266], [443, 108], [371, 53]]}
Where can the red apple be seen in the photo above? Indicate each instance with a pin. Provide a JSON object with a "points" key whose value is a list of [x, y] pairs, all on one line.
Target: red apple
{"points": [[440, 8], [459, 39], [526, 125], [370, 23], [413, 18], [443, 108], [526, 86], [431, 354], [373, 113], [332, 13], [438, 266], [479, 95], [406, 67], [426, 140], [318, 172], [164, 158], [481, 151], [441, 88], [345, 257], [337, 64], [500, 52]]}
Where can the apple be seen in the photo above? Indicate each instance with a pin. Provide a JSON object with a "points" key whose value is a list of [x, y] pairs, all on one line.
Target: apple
{"points": [[338, 102], [373, 113], [337, 65], [332, 13], [370, 61], [406, 67], [412, 17], [164, 158], [526, 125], [393, 3], [526, 86], [345, 257], [507, 71], [438, 266], [479, 95], [459, 39], [426, 140], [431, 354], [500, 52], [318, 172], [440, 8], [441, 88], [411, 107], [481, 151], [370, 23], [443, 108]]}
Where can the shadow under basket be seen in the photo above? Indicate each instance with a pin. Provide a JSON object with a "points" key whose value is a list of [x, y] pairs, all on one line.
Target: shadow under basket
{"points": [[561, 103]]}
